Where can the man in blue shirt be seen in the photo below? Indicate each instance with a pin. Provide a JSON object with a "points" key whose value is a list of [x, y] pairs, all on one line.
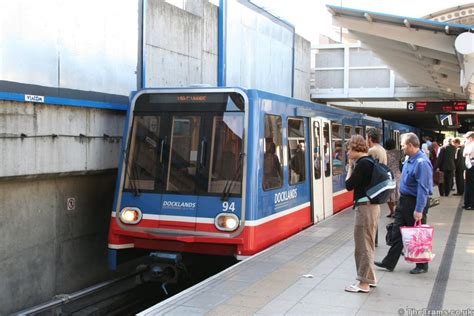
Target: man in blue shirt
{"points": [[416, 184]]}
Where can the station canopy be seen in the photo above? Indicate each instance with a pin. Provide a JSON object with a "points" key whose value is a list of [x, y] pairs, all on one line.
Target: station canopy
{"points": [[422, 51]]}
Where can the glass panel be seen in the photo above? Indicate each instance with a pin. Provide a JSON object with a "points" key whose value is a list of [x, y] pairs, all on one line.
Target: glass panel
{"points": [[337, 152], [226, 170], [327, 156], [369, 78], [359, 131], [317, 151], [272, 166], [347, 136], [183, 154], [296, 151], [143, 153], [360, 57], [347, 132], [329, 79], [326, 58]]}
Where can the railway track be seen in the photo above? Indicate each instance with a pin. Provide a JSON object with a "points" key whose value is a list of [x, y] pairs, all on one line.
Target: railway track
{"points": [[126, 295]]}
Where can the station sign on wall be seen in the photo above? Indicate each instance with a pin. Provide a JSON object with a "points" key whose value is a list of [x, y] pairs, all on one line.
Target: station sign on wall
{"points": [[256, 49]]}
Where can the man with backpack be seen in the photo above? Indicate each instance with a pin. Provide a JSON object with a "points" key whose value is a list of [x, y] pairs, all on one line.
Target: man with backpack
{"points": [[377, 152], [416, 184]]}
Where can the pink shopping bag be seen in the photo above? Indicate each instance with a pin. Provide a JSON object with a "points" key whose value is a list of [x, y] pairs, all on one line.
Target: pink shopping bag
{"points": [[418, 242]]}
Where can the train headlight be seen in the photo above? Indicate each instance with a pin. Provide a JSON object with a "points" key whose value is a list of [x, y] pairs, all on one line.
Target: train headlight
{"points": [[226, 221], [130, 215]]}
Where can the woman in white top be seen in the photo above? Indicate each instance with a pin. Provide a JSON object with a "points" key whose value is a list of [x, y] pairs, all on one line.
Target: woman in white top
{"points": [[469, 160]]}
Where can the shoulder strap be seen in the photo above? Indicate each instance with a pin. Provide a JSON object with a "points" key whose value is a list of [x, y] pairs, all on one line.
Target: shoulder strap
{"points": [[369, 158]]}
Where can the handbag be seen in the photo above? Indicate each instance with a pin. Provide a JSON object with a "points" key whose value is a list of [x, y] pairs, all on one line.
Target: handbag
{"points": [[418, 242], [438, 177], [388, 236]]}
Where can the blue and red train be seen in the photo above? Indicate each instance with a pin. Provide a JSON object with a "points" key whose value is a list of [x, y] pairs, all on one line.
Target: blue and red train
{"points": [[229, 171]]}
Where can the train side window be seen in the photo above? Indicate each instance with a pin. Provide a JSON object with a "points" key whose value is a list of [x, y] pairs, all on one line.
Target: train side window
{"points": [[348, 132], [359, 131], [296, 150], [337, 151], [272, 158], [327, 148]]}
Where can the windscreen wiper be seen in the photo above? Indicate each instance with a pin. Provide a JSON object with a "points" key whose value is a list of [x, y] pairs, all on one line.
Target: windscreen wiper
{"points": [[230, 183]]}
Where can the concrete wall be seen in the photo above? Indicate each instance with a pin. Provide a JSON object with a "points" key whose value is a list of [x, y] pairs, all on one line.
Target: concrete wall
{"points": [[181, 46], [38, 152], [47, 249], [302, 89]]}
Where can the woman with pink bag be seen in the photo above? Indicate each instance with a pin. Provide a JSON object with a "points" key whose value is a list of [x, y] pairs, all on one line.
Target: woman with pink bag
{"points": [[416, 184]]}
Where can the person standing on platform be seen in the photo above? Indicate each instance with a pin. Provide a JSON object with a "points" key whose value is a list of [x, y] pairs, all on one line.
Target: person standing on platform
{"points": [[468, 154], [460, 167], [416, 185], [377, 152], [366, 214], [375, 149], [393, 162], [446, 164]]}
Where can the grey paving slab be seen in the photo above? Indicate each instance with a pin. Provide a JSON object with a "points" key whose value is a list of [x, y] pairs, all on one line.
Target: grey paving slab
{"points": [[231, 310], [209, 300], [459, 298], [230, 286], [277, 307], [268, 288], [368, 312], [185, 310], [302, 308], [272, 283], [255, 302], [391, 306]]}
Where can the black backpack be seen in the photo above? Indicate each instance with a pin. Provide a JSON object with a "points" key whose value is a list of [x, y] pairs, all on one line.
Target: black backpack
{"points": [[382, 183]]}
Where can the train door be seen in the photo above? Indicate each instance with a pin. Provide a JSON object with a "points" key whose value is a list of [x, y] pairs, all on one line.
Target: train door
{"points": [[321, 170]]}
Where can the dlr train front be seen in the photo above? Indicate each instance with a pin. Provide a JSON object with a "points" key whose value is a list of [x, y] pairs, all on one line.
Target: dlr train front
{"points": [[180, 185]]}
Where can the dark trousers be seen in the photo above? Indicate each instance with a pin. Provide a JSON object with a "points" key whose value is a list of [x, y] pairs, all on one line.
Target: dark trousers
{"points": [[441, 188], [459, 175], [469, 189], [448, 181], [403, 217]]}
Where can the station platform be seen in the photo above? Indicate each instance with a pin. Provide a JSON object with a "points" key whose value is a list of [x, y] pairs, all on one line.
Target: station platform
{"points": [[307, 273]]}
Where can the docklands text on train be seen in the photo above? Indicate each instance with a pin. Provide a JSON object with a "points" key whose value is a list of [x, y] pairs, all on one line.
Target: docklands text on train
{"points": [[286, 196]]}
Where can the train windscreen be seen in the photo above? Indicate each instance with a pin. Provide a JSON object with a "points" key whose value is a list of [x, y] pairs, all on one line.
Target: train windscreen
{"points": [[186, 144]]}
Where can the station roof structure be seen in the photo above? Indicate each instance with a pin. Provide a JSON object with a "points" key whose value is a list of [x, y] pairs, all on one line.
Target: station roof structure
{"points": [[423, 51]]}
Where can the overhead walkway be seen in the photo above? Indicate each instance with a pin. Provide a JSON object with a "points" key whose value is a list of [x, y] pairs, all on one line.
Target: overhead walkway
{"points": [[306, 275]]}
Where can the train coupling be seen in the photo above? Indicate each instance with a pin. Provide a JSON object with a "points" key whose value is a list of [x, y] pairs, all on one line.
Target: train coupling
{"points": [[165, 268]]}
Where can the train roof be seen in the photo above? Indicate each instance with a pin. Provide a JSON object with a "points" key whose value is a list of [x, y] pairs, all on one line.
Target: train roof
{"points": [[306, 106]]}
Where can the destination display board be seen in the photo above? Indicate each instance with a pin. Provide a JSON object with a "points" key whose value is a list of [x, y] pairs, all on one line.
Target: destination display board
{"points": [[437, 107]]}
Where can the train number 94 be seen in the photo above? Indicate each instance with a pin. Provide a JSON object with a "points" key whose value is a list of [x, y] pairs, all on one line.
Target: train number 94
{"points": [[228, 207]]}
